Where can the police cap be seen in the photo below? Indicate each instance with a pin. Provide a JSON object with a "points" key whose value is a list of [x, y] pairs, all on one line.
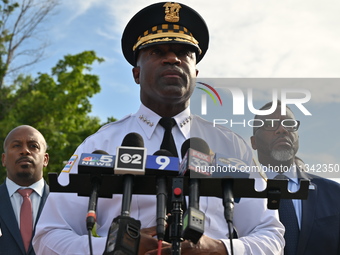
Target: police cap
{"points": [[165, 22]]}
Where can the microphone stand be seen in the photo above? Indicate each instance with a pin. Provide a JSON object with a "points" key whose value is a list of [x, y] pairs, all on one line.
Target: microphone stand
{"points": [[194, 218], [91, 215], [123, 236], [127, 194], [175, 232], [161, 186], [228, 203]]}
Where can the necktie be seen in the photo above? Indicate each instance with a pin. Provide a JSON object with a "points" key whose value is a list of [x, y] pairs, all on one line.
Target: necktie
{"points": [[168, 142], [26, 218], [289, 220]]}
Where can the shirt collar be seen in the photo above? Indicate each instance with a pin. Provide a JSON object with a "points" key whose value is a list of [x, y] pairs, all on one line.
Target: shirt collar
{"points": [[148, 120], [291, 173], [38, 187]]}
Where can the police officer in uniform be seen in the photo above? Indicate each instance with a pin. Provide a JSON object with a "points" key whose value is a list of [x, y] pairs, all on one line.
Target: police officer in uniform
{"points": [[163, 42]]}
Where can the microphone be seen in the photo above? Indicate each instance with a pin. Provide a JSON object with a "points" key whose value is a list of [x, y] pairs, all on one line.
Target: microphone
{"points": [[196, 158], [130, 160], [95, 164], [228, 168], [195, 153], [162, 160], [228, 199], [131, 156], [124, 233], [162, 198]]}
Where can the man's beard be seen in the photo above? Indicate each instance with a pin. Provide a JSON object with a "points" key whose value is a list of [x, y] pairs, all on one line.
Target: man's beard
{"points": [[25, 175], [282, 155]]}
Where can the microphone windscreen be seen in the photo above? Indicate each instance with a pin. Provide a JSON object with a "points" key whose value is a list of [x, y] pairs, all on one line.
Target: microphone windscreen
{"points": [[163, 152], [100, 152], [133, 140], [195, 143]]}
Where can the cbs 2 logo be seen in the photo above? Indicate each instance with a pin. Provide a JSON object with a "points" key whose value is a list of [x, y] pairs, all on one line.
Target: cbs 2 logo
{"points": [[133, 159]]}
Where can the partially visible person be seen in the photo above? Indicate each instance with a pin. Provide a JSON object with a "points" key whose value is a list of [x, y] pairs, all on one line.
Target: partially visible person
{"points": [[318, 217], [24, 158]]}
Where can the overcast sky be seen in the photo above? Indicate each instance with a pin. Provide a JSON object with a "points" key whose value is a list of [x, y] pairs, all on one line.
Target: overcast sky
{"points": [[248, 39]]}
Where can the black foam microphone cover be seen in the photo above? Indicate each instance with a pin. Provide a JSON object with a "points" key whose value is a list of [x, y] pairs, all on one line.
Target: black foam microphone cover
{"points": [[133, 140], [195, 143], [163, 152], [100, 152]]}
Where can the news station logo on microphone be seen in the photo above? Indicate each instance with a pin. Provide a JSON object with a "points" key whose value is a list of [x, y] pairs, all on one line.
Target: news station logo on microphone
{"points": [[67, 168], [229, 167], [96, 163], [91, 159], [196, 163], [130, 160]]}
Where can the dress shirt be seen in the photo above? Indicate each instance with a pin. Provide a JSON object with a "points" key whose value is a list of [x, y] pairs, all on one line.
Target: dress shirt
{"points": [[293, 186], [16, 198], [62, 229]]}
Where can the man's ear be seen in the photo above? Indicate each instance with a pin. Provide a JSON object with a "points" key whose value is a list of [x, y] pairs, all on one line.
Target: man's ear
{"points": [[3, 158], [46, 159], [135, 73], [253, 142]]}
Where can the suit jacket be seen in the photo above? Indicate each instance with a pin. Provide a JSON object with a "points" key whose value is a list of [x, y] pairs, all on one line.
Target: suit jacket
{"points": [[10, 240], [320, 222]]}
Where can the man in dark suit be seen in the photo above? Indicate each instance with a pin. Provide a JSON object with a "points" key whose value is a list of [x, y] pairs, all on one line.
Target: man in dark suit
{"points": [[24, 157], [317, 227]]}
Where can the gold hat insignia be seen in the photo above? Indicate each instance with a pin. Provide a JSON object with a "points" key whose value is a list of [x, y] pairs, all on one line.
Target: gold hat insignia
{"points": [[172, 12]]}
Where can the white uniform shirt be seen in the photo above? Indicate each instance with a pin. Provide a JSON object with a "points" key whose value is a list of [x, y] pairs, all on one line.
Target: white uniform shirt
{"points": [[62, 228]]}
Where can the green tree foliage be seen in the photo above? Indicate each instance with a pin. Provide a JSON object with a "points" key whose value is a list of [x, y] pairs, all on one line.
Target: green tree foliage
{"points": [[57, 104]]}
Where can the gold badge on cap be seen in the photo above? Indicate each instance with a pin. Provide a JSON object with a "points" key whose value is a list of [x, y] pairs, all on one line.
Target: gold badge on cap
{"points": [[171, 12]]}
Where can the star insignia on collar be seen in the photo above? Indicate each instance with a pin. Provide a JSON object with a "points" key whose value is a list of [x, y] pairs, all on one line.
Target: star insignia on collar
{"points": [[146, 121], [186, 121]]}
